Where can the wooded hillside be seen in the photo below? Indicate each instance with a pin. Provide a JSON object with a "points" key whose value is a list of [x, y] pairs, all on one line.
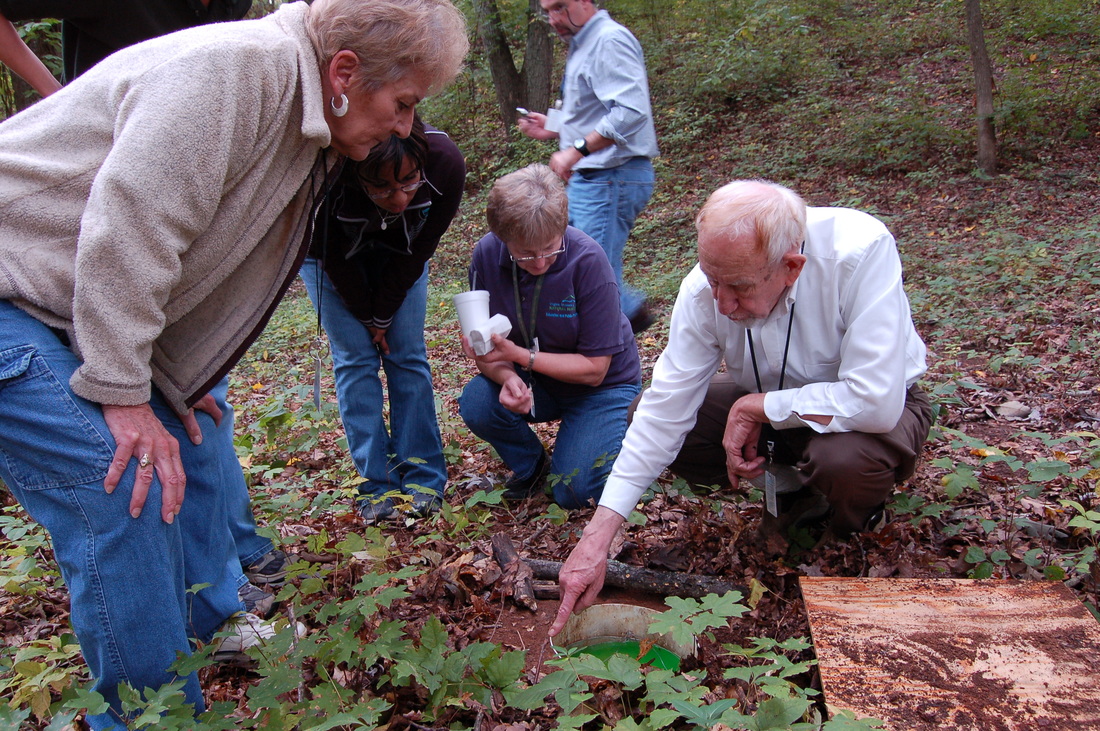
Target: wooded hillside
{"points": [[860, 103]]}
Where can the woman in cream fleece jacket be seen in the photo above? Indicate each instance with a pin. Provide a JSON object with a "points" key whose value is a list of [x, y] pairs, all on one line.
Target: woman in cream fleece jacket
{"points": [[152, 214]]}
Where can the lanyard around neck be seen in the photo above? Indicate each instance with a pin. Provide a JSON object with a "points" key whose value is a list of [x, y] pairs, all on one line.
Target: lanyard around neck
{"points": [[786, 346], [527, 331], [786, 351]]}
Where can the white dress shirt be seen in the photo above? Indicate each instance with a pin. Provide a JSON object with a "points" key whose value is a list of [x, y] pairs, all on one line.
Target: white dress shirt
{"points": [[853, 351]]}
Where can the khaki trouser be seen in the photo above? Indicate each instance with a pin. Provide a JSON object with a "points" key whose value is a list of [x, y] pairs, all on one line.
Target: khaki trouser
{"points": [[855, 471]]}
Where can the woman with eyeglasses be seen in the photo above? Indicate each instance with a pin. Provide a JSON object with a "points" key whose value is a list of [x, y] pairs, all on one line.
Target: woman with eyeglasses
{"points": [[367, 275], [570, 356]]}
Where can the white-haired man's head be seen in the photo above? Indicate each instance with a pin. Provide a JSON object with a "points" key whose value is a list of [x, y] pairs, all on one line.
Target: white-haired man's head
{"points": [[750, 234]]}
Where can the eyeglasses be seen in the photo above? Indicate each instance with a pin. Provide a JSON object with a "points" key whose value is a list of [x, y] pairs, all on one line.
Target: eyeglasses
{"points": [[536, 257], [555, 10], [410, 188]]}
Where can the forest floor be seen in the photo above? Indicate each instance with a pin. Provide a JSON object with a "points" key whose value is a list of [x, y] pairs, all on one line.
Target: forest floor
{"points": [[1002, 273], [1012, 368]]}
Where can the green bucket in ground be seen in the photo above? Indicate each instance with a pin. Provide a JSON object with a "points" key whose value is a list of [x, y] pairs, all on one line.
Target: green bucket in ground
{"points": [[657, 656], [605, 629]]}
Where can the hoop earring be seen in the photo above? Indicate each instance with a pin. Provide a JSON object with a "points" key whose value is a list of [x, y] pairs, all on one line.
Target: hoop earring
{"points": [[341, 110]]}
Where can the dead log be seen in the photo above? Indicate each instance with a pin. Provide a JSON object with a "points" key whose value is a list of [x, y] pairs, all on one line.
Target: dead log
{"points": [[516, 573], [665, 583]]}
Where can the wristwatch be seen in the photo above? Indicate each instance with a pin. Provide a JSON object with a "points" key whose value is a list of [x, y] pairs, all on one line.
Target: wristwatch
{"points": [[581, 145]]}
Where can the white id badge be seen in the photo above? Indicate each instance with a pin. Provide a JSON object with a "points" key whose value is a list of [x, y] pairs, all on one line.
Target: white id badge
{"points": [[770, 501]]}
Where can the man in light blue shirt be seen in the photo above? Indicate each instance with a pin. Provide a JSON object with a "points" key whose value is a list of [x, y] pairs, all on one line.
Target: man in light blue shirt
{"points": [[607, 140]]}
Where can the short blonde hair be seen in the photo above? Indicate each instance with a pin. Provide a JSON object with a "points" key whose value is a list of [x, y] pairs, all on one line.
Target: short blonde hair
{"points": [[528, 207], [773, 215], [392, 38]]}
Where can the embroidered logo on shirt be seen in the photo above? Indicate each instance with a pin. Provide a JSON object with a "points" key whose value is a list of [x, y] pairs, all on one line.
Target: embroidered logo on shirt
{"points": [[566, 308]]}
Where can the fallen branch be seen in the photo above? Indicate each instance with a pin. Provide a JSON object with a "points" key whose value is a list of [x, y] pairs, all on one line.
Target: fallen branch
{"points": [[516, 574], [665, 583], [546, 589]]}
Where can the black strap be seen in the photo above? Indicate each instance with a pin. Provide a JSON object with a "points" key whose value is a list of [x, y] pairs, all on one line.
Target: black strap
{"points": [[527, 332], [786, 351], [786, 346]]}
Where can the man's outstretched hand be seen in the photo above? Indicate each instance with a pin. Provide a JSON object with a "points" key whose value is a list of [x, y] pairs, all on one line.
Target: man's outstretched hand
{"points": [[582, 574]]}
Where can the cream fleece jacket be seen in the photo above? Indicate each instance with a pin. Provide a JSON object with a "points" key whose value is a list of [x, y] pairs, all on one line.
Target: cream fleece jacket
{"points": [[155, 209]]}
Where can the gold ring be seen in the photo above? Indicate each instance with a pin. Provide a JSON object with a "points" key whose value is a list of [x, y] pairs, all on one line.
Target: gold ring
{"points": [[144, 461]]}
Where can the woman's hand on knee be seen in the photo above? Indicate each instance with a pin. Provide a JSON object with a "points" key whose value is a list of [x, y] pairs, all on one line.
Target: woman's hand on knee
{"points": [[140, 435]]}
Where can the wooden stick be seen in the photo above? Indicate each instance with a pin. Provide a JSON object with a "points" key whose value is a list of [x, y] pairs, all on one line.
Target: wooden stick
{"points": [[516, 573], [665, 583]]}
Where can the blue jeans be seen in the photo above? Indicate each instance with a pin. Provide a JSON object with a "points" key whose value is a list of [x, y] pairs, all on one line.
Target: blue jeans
{"points": [[604, 204], [250, 545], [127, 577], [407, 457], [588, 440]]}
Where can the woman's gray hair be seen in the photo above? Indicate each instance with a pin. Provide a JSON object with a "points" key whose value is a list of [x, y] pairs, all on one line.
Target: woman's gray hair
{"points": [[773, 215], [392, 38], [528, 207]]}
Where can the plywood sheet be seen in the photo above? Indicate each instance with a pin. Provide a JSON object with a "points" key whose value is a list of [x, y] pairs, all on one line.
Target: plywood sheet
{"points": [[956, 653]]}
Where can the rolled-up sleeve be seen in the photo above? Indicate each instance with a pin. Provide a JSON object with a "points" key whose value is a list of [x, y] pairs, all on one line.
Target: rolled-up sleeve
{"points": [[868, 394], [616, 84]]}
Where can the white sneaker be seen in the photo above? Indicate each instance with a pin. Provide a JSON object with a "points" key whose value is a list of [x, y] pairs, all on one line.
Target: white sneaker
{"points": [[246, 630]]}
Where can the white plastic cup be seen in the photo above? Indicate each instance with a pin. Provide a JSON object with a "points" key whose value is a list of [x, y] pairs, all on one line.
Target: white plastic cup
{"points": [[553, 120], [473, 309]]}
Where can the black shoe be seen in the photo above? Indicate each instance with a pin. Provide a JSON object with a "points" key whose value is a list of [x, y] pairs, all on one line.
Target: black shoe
{"points": [[642, 320], [375, 510], [425, 504], [877, 521], [269, 570], [520, 489], [810, 510]]}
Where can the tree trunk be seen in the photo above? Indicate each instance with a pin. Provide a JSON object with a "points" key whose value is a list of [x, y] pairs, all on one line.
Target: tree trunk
{"points": [[538, 61], [531, 88], [983, 84]]}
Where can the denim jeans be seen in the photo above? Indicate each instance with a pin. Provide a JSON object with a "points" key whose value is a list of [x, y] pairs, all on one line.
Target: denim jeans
{"points": [[250, 545], [407, 457], [604, 204], [589, 436], [127, 577]]}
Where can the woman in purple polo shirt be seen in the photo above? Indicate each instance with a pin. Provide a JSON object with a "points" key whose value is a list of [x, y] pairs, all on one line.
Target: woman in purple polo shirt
{"points": [[570, 355]]}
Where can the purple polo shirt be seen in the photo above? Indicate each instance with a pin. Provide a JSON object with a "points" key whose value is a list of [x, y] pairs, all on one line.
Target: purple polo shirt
{"points": [[578, 307]]}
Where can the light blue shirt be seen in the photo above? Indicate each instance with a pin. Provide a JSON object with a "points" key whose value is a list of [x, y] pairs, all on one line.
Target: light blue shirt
{"points": [[605, 89]]}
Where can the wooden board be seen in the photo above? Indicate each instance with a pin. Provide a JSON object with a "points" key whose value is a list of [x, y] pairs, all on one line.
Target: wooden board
{"points": [[956, 653]]}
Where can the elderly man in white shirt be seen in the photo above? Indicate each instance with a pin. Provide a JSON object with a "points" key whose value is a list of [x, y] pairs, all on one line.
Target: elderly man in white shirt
{"points": [[805, 306]]}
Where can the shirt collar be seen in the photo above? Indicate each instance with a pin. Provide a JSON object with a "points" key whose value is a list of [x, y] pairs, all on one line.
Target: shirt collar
{"points": [[589, 28], [782, 309], [787, 299]]}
